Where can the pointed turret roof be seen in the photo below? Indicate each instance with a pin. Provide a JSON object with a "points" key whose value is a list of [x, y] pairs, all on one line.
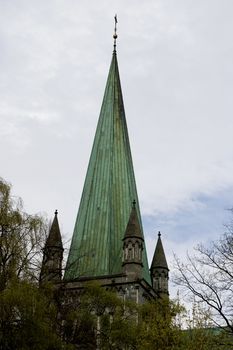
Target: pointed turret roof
{"points": [[159, 259], [133, 228], [109, 189], [54, 237]]}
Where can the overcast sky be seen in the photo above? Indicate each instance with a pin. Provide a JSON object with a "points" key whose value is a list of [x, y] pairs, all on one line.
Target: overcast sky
{"points": [[176, 67]]}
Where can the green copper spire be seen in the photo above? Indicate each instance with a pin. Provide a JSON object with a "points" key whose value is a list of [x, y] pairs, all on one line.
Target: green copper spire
{"points": [[109, 189]]}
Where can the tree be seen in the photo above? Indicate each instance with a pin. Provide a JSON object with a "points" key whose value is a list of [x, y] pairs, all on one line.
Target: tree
{"points": [[22, 238], [103, 318], [208, 275], [199, 333], [28, 315], [28, 319], [99, 317], [158, 328]]}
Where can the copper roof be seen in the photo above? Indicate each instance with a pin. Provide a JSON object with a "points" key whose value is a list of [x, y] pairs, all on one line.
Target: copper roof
{"points": [[109, 189]]}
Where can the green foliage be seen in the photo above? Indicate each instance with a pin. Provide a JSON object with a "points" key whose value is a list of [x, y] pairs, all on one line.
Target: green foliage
{"points": [[200, 332], [204, 339], [102, 318], [156, 325], [21, 239], [157, 328], [28, 316], [27, 319]]}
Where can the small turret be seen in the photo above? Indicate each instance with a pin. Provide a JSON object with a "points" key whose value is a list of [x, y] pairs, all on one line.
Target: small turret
{"points": [[51, 270], [159, 270], [133, 244]]}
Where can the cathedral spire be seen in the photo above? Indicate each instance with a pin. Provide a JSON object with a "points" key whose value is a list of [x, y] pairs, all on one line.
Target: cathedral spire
{"points": [[51, 270], [133, 246], [110, 187], [133, 229], [54, 237], [159, 269], [159, 258]]}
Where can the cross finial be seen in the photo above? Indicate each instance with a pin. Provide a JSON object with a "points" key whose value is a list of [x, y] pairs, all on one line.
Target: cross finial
{"points": [[115, 34], [56, 212], [159, 234]]}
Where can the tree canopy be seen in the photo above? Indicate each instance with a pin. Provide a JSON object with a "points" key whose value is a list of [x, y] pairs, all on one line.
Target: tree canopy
{"points": [[27, 314], [208, 276], [22, 238]]}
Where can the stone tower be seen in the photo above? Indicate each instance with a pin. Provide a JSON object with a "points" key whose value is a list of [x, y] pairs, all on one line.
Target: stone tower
{"points": [[159, 270], [51, 270], [133, 245]]}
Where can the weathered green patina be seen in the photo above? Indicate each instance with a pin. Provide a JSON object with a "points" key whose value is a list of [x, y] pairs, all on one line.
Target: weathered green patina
{"points": [[108, 193]]}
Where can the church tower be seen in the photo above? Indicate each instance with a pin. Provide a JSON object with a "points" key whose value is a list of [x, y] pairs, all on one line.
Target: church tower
{"points": [[108, 241], [159, 270], [108, 193], [51, 270], [133, 245]]}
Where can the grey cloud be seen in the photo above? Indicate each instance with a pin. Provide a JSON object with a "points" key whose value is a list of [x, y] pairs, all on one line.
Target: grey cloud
{"points": [[175, 61]]}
